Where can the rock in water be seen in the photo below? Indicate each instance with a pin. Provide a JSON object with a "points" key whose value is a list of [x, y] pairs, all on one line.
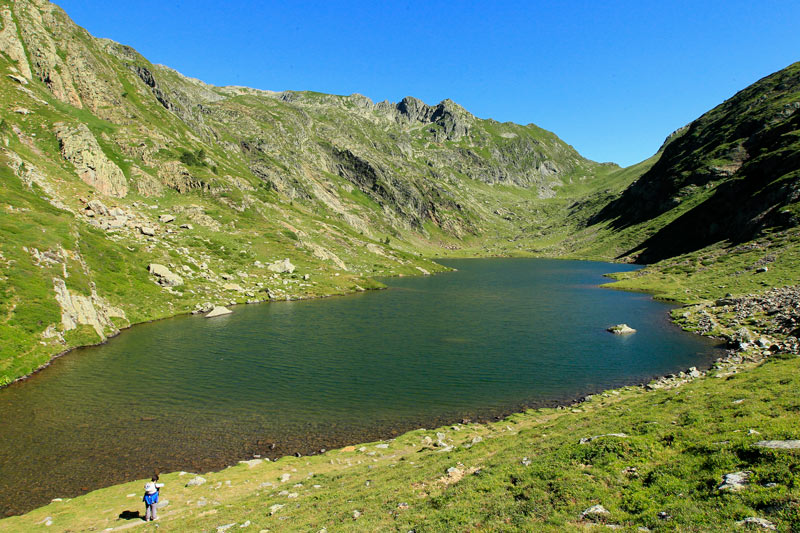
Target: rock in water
{"points": [[621, 329], [218, 311]]}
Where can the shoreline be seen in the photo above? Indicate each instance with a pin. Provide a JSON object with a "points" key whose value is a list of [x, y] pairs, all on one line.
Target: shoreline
{"points": [[559, 403]]}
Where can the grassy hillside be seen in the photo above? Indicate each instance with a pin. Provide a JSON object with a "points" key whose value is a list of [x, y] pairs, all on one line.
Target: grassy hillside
{"points": [[110, 163]]}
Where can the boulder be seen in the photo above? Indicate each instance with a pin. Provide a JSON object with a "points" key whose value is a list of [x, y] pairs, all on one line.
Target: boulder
{"points": [[735, 481], [164, 276], [595, 511], [233, 287], [196, 481], [147, 230], [98, 207], [621, 329], [779, 444], [218, 310], [281, 267], [757, 522], [166, 219]]}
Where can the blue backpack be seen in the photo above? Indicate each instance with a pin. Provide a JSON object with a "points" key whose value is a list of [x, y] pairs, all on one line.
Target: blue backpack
{"points": [[150, 499]]}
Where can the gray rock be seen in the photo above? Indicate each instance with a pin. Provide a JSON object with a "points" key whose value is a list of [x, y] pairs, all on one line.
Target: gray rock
{"points": [[595, 511], [275, 508], [587, 440], [166, 219], [98, 207], [79, 147], [779, 444], [621, 329], [196, 481], [759, 522], [147, 230], [735, 481], [164, 276], [281, 267], [218, 310]]}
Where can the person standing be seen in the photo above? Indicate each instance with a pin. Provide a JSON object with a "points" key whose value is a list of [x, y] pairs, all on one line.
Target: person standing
{"points": [[150, 499]]}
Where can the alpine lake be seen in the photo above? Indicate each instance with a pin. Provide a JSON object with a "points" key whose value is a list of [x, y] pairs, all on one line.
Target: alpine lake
{"points": [[195, 394]]}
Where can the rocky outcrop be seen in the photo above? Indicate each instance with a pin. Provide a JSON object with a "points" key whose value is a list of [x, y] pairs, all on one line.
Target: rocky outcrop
{"points": [[79, 147], [11, 45], [281, 267], [164, 276], [621, 329], [78, 309], [452, 119]]}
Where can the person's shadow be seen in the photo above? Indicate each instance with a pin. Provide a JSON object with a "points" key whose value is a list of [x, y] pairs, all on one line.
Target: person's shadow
{"points": [[130, 515]]}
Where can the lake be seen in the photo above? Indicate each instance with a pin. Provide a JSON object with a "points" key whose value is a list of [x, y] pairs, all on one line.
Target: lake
{"points": [[197, 394]]}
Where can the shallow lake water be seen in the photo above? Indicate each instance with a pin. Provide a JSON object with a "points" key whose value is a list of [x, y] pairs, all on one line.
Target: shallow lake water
{"points": [[197, 394]]}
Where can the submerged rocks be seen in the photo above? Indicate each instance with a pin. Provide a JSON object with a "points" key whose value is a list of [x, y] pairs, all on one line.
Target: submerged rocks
{"points": [[164, 276], [621, 329]]}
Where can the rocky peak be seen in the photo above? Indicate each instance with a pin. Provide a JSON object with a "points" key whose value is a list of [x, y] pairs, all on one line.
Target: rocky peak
{"points": [[451, 117]]}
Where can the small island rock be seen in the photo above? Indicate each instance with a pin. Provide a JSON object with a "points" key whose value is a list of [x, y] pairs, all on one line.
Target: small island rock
{"points": [[621, 329], [218, 311]]}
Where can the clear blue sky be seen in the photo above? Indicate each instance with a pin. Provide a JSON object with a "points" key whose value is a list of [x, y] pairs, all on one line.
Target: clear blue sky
{"points": [[611, 78]]}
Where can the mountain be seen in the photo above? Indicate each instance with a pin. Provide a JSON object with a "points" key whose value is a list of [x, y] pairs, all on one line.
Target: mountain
{"points": [[131, 192], [730, 175]]}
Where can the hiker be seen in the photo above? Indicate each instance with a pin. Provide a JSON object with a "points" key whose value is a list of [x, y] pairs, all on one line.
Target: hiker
{"points": [[150, 499]]}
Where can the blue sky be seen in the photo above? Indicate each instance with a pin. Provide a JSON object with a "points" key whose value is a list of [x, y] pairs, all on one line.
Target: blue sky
{"points": [[611, 78]]}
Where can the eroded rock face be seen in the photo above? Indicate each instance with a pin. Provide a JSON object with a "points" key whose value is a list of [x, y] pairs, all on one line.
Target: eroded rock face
{"points": [[11, 45], [77, 309], [79, 147]]}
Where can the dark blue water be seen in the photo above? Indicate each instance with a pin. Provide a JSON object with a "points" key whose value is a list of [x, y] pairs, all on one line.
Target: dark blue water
{"points": [[196, 394]]}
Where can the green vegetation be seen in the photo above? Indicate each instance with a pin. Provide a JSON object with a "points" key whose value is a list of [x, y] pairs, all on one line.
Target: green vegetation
{"points": [[347, 190]]}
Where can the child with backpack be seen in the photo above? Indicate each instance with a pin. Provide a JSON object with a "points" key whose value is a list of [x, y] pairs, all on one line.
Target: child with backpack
{"points": [[150, 499]]}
